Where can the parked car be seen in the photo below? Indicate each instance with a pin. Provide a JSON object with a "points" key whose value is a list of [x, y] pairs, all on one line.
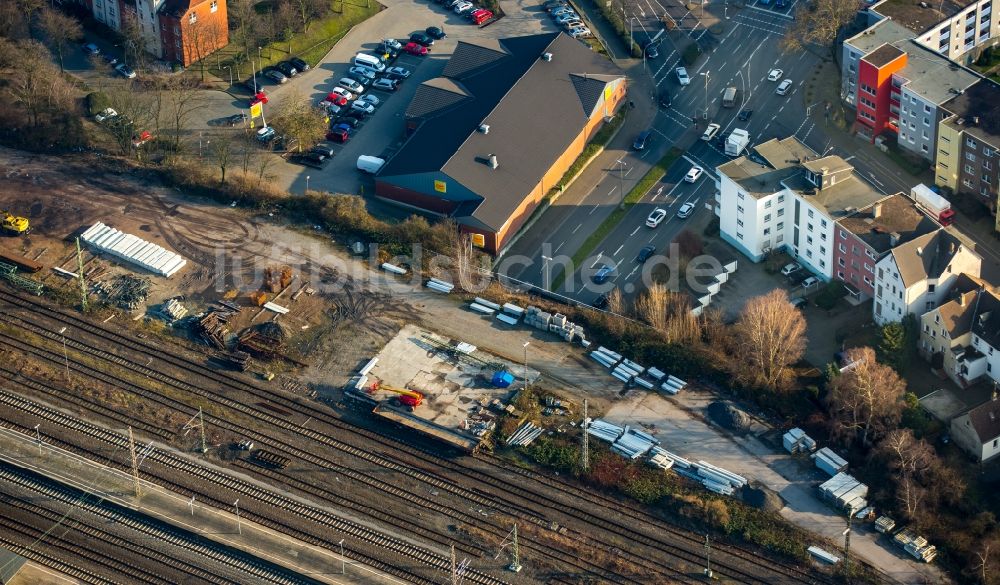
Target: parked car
{"points": [[416, 49], [480, 16], [339, 134], [91, 49], [656, 217], [579, 32], [105, 115], [359, 73], [331, 109], [350, 85], [324, 148], [561, 11], [784, 87], [384, 84], [685, 210], [397, 73], [125, 71], [799, 302], [237, 119], [775, 74], [299, 64], [312, 159], [652, 50], [603, 273], [350, 122], [694, 174], [710, 132], [682, 76], [333, 99], [810, 282], [370, 99], [340, 92], [363, 107], [276, 76], [254, 83], [355, 114], [434, 32], [266, 134], [745, 115], [110, 59], [258, 98], [780, 4], [463, 7], [287, 68], [601, 302], [566, 17], [642, 139], [571, 24], [420, 39], [646, 253], [790, 268], [392, 43]]}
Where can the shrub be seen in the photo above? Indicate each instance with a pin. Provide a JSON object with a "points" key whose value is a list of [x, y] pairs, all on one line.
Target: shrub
{"points": [[97, 101], [712, 229], [555, 455], [831, 293]]}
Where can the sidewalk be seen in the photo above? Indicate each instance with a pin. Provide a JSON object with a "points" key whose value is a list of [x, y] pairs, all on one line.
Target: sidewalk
{"points": [[171, 507]]}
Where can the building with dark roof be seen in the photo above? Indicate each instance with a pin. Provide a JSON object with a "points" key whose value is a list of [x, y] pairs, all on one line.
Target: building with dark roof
{"points": [[947, 332], [491, 136], [978, 430]]}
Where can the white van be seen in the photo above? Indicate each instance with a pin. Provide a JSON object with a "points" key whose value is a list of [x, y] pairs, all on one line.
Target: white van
{"points": [[370, 164], [369, 61]]}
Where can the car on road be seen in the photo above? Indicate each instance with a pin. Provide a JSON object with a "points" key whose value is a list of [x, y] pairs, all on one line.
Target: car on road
{"points": [[694, 174], [416, 49], [421, 39], [579, 32], [810, 282], [324, 148], [237, 119], [656, 217], [784, 87], [350, 85], [91, 49], [276, 76], [363, 107], [125, 71], [603, 273], [370, 99], [341, 92], [710, 132], [682, 76], [645, 254], [642, 139], [685, 210], [384, 84], [775, 74], [397, 73], [299, 64], [359, 73], [745, 115], [287, 68], [799, 302], [652, 50], [665, 99], [434, 32], [105, 114], [790, 268]]}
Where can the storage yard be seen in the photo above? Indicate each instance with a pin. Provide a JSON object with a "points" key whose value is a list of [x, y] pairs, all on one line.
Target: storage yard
{"points": [[245, 401]]}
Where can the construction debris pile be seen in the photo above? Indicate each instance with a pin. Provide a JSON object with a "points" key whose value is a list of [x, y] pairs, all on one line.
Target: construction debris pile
{"points": [[632, 373], [173, 310], [625, 441], [266, 342], [479, 422], [241, 360], [125, 291], [213, 327], [915, 545], [276, 280], [797, 441], [729, 416], [133, 249]]}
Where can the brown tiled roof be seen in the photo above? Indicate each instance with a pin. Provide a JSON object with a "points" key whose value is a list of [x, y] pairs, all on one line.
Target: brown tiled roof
{"points": [[925, 256], [985, 419], [956, 314], [897, 214]]}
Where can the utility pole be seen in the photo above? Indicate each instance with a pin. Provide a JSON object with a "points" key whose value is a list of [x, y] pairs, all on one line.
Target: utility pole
{"points": [[454, 567], [135, 462], [65, 353], [38, 438], [707, 75], [621, 185], [708, 558], [515, 555], [526, 344], [201, 423], [239, 527], [585, 450], [847, 547], [83, 283]]}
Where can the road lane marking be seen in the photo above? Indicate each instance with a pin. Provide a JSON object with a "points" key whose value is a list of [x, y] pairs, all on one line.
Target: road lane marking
{"points": [[560, 246], [618, 250], [576, 228], [634, 231], [596, 205]]}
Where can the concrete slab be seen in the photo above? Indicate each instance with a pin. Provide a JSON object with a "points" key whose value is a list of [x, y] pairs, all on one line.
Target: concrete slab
{"points": [[943, 404]]}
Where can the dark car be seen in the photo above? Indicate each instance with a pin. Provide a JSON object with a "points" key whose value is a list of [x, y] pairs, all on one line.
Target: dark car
{"points": [[338, 135], [642, 139], [665, 99], [344, 120], [287, 68], [799, 302], [603, 274], [602, 301], [652, 50], [645, 253], [387, 52], [237, 119], [255, 83], [745, 115], [421, 39], [324, 149], [299, 64], [359, 77], [434, 32], [356, 114], [780, 4], [315, 160]]}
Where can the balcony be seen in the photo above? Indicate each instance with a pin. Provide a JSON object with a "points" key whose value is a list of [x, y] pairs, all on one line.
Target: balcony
{"points": [[970, 363]]}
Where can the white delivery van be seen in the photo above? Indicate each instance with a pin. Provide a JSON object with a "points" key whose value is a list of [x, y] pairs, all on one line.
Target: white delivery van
{"points": [[370, 164], [369, 61]]}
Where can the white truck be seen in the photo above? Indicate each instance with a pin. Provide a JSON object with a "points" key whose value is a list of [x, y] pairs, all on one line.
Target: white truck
{"points": [[935, 205], [737, 140]]}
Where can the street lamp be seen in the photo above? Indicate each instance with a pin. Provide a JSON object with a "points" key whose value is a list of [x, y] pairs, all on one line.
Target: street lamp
{"points": [[545, 271], [343, 562], [230, 74], [307, 183], [38, 437], [707, 75], [621, 178], [238, 526], [526, 344]]}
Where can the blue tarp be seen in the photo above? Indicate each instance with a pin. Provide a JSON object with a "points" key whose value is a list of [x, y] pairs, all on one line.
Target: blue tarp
{"points": [[502, 379]]}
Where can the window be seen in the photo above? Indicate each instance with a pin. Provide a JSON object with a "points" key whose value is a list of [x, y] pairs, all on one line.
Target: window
{"points": [[923, 134], [739, 235], [927, 307], [740, 195], [987, 152], [927, 110], [177, 32], [779, 239], [843, 235], [822, 263], [781, 198], [809, 226], [868, 281], [739, 222], [767, 204], [822, 222], [987, 165], [739, 208], [214, 5], [970, 142], [870, 254], [986, 178], [767, 218], [970, 156], [822, 250], [193, 18], [781, 212], [969, 169], [822, 236], [842, 248], [854, 250], [810, 215], [809, 253], [923, 147], [781, 226], [840, 275], [809, 240], [967, 183], [868, 267], [767, 231], [841, 262], [867, 89]]}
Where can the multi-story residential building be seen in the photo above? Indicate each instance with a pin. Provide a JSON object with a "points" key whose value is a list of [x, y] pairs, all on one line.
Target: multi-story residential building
{"points": [[145, 14], [866, 236], [915, 277], [792, 201], [955, 29], [900, 87], [107, 12], [884, 31], [968, 144], [957, 339]]}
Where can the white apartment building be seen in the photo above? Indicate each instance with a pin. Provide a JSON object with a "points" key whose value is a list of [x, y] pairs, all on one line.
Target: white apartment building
{"points": [[790, 202], [956, 29], [108, 12], [916, 276]]}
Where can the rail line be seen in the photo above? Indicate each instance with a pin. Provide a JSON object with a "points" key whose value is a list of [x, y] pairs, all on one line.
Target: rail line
{"points": [[690, 554], [59, 564]]}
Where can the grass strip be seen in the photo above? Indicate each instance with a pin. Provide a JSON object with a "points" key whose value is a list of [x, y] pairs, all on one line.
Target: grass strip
{"points": [[611, 221]]}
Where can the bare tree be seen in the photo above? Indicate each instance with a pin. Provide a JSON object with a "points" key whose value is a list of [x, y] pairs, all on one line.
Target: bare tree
{"points": [[59, 30], [133, 40], [223, 151], [770, 335], [247, 31], [297, 117], [986, 565], [11, 22], [651, 306], [616, 304], [909, 459], [182, 99], [819, 23], [136, 112], [28, 8], [35, 83], [866, 399]]}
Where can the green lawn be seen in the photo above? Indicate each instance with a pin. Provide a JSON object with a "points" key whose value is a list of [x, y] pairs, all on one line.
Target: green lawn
{"points": [[611, 222], [311, 46]]}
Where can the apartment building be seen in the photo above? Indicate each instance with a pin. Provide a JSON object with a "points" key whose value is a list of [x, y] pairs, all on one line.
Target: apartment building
{"points": [[955, 29], [961, 338], [968, 143], [792, 201], [866, 236], [916, 277]]}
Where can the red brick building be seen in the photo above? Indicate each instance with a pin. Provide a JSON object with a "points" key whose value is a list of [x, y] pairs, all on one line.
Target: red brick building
{"points": [[192, 29]]}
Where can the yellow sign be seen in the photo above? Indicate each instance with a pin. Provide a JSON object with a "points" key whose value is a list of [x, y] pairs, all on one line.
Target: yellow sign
{"points": [[256, 110], [607, 93], [440, 186], [251, 124], [479, 240]]}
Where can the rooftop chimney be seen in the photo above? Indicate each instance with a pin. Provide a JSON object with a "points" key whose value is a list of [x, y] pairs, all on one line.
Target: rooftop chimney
{"points": [[920, 251], [546, 56], [894, 239], [951, 248], [877, 211], [484, 128], [493, 161]]}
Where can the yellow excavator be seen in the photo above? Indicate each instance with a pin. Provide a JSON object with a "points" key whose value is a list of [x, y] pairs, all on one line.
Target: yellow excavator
{"points": [[409, 398], [14, 224]]}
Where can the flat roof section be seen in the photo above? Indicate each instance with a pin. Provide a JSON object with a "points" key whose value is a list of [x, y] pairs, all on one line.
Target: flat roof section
{"points": [[919, 16], [883, 55], [977, 111], [878, 34]]}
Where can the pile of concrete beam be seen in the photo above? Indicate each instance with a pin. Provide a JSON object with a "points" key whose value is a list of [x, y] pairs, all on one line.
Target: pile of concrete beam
{"points": [[678, 462], [673, 385], [632, 373], [133, 249], [440, 286], [557, 323], [660, 460], [846, 492], [393, 268], [633, 444], [537, 318], [829, 461], [797, 441], [605, 430], [481, 305], [719, 480], [173, 310], [524, 435]]}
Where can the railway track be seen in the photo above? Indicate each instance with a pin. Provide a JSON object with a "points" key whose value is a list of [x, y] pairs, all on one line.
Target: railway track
{"points": [[690, 553]]}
